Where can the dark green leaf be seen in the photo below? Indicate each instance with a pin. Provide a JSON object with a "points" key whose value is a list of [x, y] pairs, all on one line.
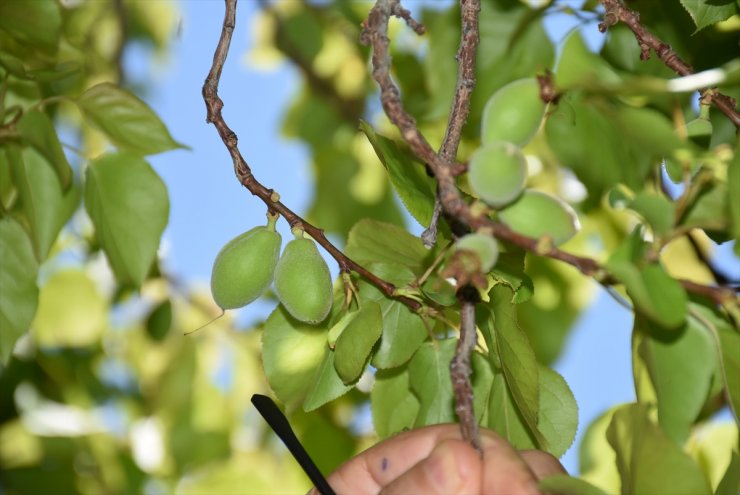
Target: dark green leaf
{"points": [[326, 385], [429, 379], [733, 182], [357, 340], [393, 404], [292, 352], [680, 366], [504, 416], [128, 204], [408, 177], [562, 484], [126, 120], [710, 210], [159, 322], [46, 206], [8, 190], [648, 461], [707, 12], [18, 281], [509, 269], [37, 23], [37, 130], [730, 483]]}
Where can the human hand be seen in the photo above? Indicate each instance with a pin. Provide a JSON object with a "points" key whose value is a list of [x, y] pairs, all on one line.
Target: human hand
{"points": [[435, 460]]}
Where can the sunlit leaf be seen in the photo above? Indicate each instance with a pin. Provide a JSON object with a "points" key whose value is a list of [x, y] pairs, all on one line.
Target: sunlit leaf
{"points": [[558, 412], [707, 12], [655, 209], [18, 281], [326, 384], [648, 461], [126, 120], [128, 204], [561, 484], [371, 241]]}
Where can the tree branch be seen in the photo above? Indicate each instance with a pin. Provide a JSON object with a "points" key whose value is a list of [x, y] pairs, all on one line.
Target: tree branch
{"points": [[214, 105], [375, 33], [616, 12]]}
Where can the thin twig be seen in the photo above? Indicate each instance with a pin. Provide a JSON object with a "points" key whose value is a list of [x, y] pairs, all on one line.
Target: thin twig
{"points": [[375, 33], [460, 370], [214, 105], [616, 12]]}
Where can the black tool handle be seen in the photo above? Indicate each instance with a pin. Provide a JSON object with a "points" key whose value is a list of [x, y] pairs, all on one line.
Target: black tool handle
{"points": [[279, 423]]}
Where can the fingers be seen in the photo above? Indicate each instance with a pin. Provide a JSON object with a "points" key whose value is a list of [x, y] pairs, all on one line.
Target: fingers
{"points": [[542, 463], [453, 467], [504, 471]]}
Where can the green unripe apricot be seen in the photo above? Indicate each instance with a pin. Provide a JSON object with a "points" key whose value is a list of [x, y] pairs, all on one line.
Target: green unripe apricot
{"points": [[497, 172], [303, 281], [244, 267], [513, 113], [537, 214], [484, 246]]}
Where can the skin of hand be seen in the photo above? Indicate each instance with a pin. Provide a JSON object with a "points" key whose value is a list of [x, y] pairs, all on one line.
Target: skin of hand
{"points": [[436, 460]]}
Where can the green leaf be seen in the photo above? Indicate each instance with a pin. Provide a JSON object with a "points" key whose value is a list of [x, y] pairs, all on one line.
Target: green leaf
{"points": [[71, 312], [292, 352], [648, 461], [356, 342], [730, 483], [578, 66], [372, 241], [393, 404], [655, 293], [710, 210], [37, 23], [18, 281], [509, 269], [403, 330], [537, 214], [159, 321], [127, 121], [733, 181], [656, 210], [558, 415], [707, 12], [8, 190], [562, 484], [518, 361], [46, 206], [680, 365], [429, 379], [504, 416], [596, 458], [128, 204], [408, 177], [326, 384], [37, 129]]}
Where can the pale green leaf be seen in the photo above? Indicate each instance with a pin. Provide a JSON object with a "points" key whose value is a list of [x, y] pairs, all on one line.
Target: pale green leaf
{"points": [[292, 352], [429, 379], [558, 412], [408, 177], [394, 406], [371, 241], [129, 207], [562, 484], [711, 210], [37, 23], [680, 366], [18, 281], [730, 483], [46, 206], [733, 182], [356, 341], [326, 384], [579, 66], [37, 130], [648, 461], [656, 210], [504, 416], [127, 121], [707, 12]]}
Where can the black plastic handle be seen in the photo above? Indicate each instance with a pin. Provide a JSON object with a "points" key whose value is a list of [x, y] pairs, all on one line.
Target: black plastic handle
{"points": [[279, 424]]}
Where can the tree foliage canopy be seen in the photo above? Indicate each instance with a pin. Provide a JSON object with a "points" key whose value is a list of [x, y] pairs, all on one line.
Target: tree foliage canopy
{"points": [[537, 168]]}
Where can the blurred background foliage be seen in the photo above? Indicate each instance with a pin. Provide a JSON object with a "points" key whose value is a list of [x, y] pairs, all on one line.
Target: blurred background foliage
{"points": [[105, 395]]}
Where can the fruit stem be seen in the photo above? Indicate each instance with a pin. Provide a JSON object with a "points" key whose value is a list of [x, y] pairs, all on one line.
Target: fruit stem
{"points": [[272, 218], [297, 231]]}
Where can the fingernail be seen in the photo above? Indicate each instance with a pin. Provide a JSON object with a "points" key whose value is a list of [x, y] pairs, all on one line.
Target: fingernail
{"points": [[442, 470]]}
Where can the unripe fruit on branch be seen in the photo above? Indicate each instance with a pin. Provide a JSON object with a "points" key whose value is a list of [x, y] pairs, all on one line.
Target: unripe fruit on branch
{"points": [[497, 172], [303, 282], [484, 246], [537, 214], [245, 266], [513, 113]]}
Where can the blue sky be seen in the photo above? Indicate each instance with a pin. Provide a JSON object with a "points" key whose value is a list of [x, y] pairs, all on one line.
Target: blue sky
{"points": [[209, 207]]}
